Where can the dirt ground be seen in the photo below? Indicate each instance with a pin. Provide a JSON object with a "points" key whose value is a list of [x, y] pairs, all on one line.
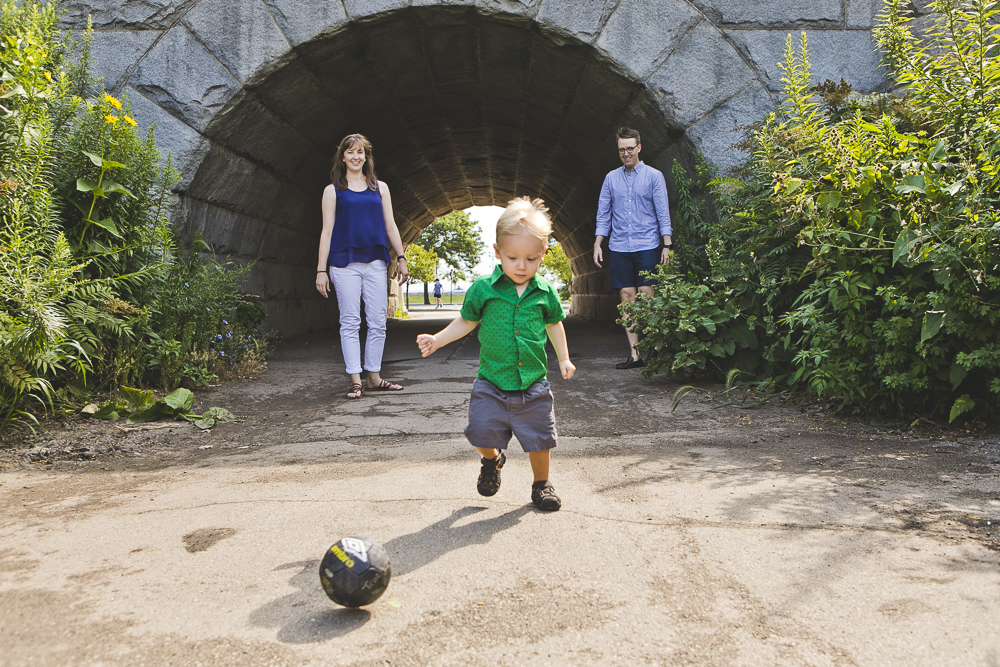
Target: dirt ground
{"points": [[776, 535]]}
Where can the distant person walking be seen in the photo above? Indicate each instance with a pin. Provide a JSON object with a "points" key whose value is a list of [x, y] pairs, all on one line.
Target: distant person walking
{"points": [[358, 227], [633, 214], [437, 294]]}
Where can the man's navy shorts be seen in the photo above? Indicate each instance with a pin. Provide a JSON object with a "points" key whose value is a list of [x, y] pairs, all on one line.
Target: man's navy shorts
{"points": [[626, 266], [494, 415]]}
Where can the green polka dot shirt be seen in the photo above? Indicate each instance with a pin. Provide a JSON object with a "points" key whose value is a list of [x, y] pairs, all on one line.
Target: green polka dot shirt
{"points": [[512, 333]]}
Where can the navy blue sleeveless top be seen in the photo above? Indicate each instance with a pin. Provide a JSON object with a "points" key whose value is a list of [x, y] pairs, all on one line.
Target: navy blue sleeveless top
{"points": [[358, 229]]}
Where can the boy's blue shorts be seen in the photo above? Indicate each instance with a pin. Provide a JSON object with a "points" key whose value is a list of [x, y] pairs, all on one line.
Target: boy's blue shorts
{"points": [[494, 415], [626, 266]]}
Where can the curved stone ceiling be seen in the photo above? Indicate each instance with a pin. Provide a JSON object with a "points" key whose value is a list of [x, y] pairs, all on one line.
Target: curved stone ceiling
{"points": [[466, 102]]}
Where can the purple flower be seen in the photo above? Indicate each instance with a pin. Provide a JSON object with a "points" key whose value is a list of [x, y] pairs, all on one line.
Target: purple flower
{"points": [[225, 322], [208, 309]]}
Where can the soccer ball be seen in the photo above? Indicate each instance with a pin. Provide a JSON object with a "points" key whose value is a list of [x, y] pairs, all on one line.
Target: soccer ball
{"points": [[355, 571]]}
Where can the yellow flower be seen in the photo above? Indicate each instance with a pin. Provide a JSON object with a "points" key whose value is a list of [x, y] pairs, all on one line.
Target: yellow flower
{"points": [[112, 101], [129, 121], [111, 119]]}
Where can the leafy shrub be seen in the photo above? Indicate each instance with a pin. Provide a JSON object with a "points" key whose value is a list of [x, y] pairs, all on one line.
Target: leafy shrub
{"points": [[95, 294], [861, 241]]}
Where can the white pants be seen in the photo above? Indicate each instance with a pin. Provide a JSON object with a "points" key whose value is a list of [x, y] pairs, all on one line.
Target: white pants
{"points": [[351, 283]]}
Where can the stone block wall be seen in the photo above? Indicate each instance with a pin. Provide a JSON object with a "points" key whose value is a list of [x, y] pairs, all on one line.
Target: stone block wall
{"points": [[467, 102]]}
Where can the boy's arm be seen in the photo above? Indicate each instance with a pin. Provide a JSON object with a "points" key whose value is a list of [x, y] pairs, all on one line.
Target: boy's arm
{"points": [[557, 334], [459, 327]]}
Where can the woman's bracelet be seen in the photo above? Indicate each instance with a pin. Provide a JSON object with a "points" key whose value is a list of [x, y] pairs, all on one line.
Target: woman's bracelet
{"points": [[321, 272]]}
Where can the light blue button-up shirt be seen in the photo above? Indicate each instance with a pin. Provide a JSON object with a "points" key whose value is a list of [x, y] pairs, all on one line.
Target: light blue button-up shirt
{"points": [[633, 208]]}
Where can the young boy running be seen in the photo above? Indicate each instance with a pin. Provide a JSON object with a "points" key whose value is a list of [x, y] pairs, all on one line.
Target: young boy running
{"points": [[518, 310]]}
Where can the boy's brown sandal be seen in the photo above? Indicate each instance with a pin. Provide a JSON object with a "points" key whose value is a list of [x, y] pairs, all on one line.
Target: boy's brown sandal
{"points": [[543, 495], [489, 475]]}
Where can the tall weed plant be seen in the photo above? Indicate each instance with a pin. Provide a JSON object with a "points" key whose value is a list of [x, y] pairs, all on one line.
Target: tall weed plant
{"points": [[96, 292], [858, 253]]}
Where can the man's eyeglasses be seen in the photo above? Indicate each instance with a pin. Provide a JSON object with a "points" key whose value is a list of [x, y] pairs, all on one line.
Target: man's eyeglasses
{"points": [[629, 150]]}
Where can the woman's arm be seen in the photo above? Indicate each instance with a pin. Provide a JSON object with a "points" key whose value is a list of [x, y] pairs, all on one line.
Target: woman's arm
{"points": [[459, 327], [329, 212], [392, 232], [557, 334]]}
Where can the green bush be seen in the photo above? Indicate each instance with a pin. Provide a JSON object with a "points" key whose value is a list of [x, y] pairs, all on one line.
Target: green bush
{"points": [[860, 241], [95, 292]]}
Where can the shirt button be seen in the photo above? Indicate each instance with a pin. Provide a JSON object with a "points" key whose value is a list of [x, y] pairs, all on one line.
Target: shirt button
{"points": [[517, 333], [520, 363]]}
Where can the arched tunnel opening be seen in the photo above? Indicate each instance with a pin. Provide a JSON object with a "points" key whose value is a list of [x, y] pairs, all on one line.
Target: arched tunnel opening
{"points": [[463, 109]]}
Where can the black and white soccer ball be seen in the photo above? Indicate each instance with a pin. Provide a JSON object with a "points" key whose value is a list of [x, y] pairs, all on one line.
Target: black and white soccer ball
{"points": [[355, 571]]}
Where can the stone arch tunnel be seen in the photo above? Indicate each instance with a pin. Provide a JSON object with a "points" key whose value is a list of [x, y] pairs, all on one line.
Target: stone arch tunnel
{"points": [[467, 102]]}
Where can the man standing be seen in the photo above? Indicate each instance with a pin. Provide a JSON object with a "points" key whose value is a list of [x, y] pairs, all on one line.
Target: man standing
{"points": [[634, 214]]}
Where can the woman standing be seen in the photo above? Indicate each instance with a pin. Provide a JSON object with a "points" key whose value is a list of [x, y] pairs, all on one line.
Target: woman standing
{"points": [[354, 254]]}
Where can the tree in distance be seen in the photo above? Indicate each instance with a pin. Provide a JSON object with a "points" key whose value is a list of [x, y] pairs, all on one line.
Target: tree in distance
{"points": [[456, 240], [422, 264]]}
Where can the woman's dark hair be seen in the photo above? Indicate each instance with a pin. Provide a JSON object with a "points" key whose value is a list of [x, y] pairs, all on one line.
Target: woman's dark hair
{"points": [[629, 133], [338, 175]]}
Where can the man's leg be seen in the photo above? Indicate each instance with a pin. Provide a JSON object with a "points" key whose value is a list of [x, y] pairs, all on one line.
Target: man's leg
{"points": [[628, 296]]}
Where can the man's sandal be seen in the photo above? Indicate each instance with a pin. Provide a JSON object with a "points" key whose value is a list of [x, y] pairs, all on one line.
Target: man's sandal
{"points": [[357, 391], [385, 385]]}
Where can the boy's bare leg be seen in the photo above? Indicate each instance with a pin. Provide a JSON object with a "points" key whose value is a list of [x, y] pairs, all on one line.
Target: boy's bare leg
{"points": [[539, 465], [488, 453], [542, 494]]}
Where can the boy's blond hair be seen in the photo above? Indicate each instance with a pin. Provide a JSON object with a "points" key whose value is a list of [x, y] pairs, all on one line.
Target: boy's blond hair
{"points": [[525, 215]]}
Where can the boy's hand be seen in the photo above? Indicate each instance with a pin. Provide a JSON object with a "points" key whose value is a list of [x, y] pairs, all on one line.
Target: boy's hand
{"points": [[567, 369], [427, 343]]}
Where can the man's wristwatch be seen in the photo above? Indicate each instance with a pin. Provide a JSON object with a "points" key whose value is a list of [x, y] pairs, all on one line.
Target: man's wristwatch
{"points": [[668, 246]]}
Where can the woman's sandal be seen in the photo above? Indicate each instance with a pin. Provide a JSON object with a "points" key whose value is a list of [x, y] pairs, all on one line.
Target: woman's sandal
{"points": [[357, 391], [385, 385]]}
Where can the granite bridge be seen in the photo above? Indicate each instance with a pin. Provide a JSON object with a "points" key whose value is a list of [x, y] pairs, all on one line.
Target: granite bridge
{"points": [[467, 102]]}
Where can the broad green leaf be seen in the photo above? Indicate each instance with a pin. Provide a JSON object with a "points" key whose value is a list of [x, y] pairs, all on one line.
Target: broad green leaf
{"points": [[958, 373], [101, 162], [96, 159], [911, 183], [962, 404], [152, 413], [107, 224], [111, 186], [180, 400], [137, 399], [828, 200], [83, 185], [744, 335], [109, 410], [221, 414], [938, 152], [955, 187], [15, 91], [904, 242], [933, 319]]}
